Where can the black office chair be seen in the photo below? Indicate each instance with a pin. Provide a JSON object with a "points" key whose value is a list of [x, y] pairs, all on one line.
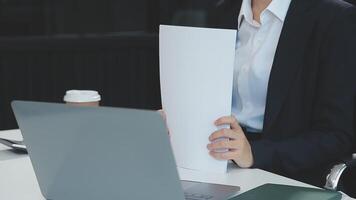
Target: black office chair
{"points": [[342, 176]]}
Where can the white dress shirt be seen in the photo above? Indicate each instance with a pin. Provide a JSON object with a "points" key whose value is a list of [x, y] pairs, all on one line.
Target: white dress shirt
{"points": [[255, 51]]}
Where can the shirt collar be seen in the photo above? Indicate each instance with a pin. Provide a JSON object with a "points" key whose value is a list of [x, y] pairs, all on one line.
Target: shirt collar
{"points": [[245, 12], [279, 8]]}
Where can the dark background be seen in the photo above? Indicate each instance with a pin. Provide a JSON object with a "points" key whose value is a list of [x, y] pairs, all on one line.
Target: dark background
{"points": [[50, 46]]}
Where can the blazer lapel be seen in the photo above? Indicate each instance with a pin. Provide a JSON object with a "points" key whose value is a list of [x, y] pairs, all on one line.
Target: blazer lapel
{"points": [[290, 51], [226, 14]]}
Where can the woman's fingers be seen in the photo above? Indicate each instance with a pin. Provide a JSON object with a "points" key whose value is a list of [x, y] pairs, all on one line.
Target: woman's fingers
{"points": [[223, 144], [223, 133], [163, 114], [231, 155], [228, 120]]}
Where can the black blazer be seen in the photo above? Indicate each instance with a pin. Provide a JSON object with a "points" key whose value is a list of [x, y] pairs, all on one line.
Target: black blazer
{"points": [[308, 121]]}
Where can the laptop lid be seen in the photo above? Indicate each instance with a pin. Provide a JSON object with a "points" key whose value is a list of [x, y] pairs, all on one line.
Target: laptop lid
{"points": [[98, 153]]}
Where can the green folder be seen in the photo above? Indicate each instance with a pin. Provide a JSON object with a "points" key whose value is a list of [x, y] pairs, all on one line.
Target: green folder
{"points": [[285, 192]]}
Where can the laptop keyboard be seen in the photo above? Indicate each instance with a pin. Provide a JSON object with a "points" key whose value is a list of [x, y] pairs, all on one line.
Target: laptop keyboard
{"points": [[191, 196]]}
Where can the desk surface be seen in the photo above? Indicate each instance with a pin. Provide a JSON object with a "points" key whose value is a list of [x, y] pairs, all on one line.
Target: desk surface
{"points": [[18, 181]]}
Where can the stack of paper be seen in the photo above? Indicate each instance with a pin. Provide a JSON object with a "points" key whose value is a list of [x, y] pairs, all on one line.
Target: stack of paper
{"points": [[196, 72]]}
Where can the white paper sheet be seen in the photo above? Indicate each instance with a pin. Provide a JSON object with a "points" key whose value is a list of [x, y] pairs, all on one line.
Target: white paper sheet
{"points": [[196, 72]]}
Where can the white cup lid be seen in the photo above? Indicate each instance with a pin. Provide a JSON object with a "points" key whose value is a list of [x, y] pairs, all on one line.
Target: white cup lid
{"points": [[82, 96]]}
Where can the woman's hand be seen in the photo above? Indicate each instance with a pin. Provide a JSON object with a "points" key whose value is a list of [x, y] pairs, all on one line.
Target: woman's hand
{"points": [[239, 149], [163, 114]]}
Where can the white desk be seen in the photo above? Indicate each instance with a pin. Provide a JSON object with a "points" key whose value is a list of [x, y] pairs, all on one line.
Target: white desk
{"points": [[18, 181]]}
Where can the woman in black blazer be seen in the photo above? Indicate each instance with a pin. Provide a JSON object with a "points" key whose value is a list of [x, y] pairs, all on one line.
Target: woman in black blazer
{"points": [[308, 119]]}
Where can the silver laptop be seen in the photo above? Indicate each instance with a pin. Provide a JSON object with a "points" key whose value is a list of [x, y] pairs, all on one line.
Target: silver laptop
{"points": [[105, 153]]}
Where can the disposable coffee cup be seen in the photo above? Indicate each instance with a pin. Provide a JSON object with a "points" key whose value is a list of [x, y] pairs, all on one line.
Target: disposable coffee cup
{"points": [[82, 98]]}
